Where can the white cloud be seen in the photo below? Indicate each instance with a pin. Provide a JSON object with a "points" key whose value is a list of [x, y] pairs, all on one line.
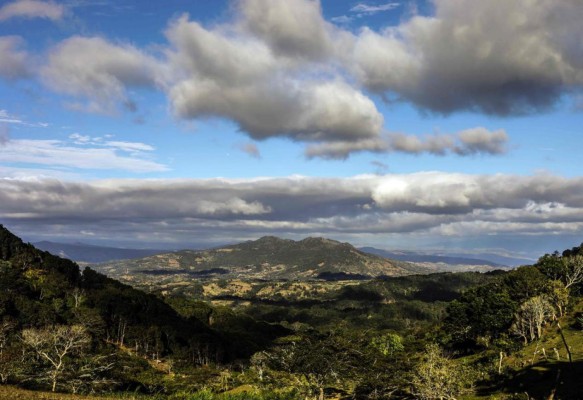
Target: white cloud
{"points": [[368, 203], [373, 9], [279, 69], [472, 141], [129, 146], [99, 71], [55, 153], [32, 9], [496, 57], [480, 140], [239, 78], [7, 118], [290, 28], [13, 60]]}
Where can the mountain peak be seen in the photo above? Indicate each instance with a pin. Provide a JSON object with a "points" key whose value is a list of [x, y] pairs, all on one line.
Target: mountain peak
{"points": [[268, 257]]}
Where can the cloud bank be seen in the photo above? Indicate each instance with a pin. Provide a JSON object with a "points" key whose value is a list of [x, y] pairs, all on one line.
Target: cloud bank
{"points": [[429, 204]]}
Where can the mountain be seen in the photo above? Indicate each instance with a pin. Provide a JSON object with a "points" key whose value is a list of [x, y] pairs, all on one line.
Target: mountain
{"points": [[268, 258], [86, 253]]}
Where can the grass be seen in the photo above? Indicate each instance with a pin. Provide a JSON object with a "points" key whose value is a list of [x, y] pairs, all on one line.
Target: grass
{"points": [[538, 373], [14, 393]]}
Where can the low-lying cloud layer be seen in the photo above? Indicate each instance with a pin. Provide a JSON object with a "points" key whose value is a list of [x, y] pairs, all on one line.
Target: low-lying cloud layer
{"points": [[362, 208], [279, 69]]}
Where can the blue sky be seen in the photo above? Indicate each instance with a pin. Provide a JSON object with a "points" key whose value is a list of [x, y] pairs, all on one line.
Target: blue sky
{"points": [[423, 125]]}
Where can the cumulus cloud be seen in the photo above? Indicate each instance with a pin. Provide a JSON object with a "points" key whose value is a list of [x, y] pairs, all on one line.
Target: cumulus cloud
{"points": [[290, 28], [239, 78], [32, 9], [431, 204], [279, 69], [13, 60], [99, 71], [480, 140], [468, 57]]}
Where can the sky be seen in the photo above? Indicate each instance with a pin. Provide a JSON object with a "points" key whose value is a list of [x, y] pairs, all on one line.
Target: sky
{"points": [[428, 125]]}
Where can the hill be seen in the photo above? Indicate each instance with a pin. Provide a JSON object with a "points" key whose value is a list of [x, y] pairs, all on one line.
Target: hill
{"points": [[268, 258], [90, 254], [121, 335]]}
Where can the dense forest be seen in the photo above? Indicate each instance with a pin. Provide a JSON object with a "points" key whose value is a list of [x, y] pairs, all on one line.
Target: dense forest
{"points": [[502, 334]]}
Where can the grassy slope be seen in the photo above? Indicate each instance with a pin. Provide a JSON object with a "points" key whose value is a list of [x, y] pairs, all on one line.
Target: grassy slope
{"points": [[533, 373]]}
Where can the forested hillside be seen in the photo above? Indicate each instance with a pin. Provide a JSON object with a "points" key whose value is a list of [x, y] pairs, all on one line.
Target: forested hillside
{"points": [[505, 335], [83, 331]]}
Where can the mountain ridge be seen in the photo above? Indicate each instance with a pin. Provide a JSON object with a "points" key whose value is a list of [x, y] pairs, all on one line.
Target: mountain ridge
{"points": [[268, 257], [89, 253]]}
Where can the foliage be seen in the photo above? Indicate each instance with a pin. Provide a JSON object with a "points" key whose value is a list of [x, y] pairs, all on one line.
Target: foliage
{"points": [[75, 331], [388, 344], [439, 377]]}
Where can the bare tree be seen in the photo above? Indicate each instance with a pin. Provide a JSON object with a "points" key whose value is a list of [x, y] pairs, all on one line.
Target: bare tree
{"points": [[533, 314], [573, 270], [54, 345]]}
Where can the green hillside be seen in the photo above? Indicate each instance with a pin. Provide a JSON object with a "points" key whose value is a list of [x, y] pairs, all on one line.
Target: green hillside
{"points": [[502, 335]]}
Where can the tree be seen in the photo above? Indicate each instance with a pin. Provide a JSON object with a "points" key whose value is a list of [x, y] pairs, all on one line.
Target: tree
{"points": [[573, 270], [388, 344], [558, 295], [10, 353], [438, 377], [531, 317], [55, 346], [484, 312], [569, 270]]}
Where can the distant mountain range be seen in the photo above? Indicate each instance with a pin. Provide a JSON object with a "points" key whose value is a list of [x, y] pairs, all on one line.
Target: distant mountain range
{"points": [[86, 253], [452, 259], [415, 257], [273, 258], [266, 258]]}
